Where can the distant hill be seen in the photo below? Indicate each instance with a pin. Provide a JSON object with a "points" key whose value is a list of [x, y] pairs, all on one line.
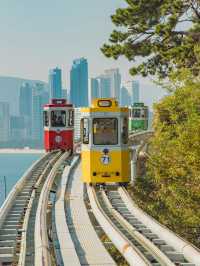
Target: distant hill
{"points": [[9, 91]]}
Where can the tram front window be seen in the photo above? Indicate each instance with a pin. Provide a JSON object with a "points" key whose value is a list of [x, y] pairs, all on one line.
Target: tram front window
{"points": [[105, 131], [58, 118], [136, 113]]}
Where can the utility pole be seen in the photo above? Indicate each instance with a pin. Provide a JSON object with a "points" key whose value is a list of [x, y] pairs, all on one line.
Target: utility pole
{"points": [[5, 187]]}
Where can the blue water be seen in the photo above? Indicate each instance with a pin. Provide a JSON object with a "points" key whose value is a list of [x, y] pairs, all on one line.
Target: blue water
{"points": [[12, 166]]}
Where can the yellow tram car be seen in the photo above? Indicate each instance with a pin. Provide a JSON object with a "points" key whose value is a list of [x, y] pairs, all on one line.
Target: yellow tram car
{"points": [[104, 135]]}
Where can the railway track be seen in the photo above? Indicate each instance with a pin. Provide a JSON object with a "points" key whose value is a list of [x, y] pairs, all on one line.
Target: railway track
{"points": [[42, 251], [13, 218], [77, 240], [136, 241]]}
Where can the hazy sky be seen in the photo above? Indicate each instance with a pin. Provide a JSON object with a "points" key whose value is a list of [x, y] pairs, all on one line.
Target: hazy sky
{"points": [[36, 35]]}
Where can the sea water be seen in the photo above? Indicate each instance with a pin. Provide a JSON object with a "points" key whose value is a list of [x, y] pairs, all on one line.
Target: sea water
{"points": [[12, 167]]}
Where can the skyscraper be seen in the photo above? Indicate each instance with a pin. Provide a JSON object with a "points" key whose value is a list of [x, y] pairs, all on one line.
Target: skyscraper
{"points": [[25, 109], [125, 98], [79, 83], [25, 100], [133, 87], [135, 91], [4, 121], [115, 82], [105, 87], [94, 89], [55, 83], [100, 87], [64, 94], [18, 130], [40, 97]]}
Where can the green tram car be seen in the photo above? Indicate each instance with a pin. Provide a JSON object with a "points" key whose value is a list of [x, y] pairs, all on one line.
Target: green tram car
{"points": [[138, 117]]}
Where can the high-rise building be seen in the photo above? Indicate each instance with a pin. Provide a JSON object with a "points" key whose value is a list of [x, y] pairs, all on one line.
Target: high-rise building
{"points": [[4, 122], [79, 83], [133, 87], [25, 100], [135, 91], [108, 84], [17, 128], [115, 82], [40, 97], [64, 94], [105, 86], [94, 89], [25, 109], [125, 98], [55, 83]]}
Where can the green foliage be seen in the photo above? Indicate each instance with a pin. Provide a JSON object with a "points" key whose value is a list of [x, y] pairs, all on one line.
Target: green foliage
{"points": [[163, 34], [172, 189]]}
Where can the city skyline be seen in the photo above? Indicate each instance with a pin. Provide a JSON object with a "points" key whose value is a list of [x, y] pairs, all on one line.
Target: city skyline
{"points": [[144, 87], [65, 34], [28, 125]]}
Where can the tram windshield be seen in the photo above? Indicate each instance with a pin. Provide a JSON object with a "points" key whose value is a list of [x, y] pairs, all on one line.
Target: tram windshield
{"points": [[140, 113], [136, 113], [105, 131], [58, 118]]}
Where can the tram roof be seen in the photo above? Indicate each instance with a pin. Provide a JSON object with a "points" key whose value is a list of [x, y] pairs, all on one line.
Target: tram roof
{"points": [[104, 105], [58, 103]]}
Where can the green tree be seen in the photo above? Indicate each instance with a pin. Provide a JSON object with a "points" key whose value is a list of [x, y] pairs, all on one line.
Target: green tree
{"points": [[163, 34], [171, 190]]}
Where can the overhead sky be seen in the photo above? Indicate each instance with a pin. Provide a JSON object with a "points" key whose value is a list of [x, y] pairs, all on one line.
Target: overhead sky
{"points": [[36, 35]]}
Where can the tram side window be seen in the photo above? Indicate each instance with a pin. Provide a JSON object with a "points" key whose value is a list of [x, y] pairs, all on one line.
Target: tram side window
{"points": [[85, 130], [58, 118], [46, 119], [124, 130], [105, 131], [71, 118]]}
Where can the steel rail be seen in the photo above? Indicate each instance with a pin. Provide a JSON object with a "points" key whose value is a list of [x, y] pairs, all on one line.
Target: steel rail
{"points": [[23, 248], [16, 189], [143, 241], [125, 247], [22, 255], [13, 214], [190, 252], [42, 252], [135, 134]]}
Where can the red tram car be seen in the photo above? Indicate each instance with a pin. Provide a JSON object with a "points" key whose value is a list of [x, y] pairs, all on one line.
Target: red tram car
{"points": [[58, 125]]}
